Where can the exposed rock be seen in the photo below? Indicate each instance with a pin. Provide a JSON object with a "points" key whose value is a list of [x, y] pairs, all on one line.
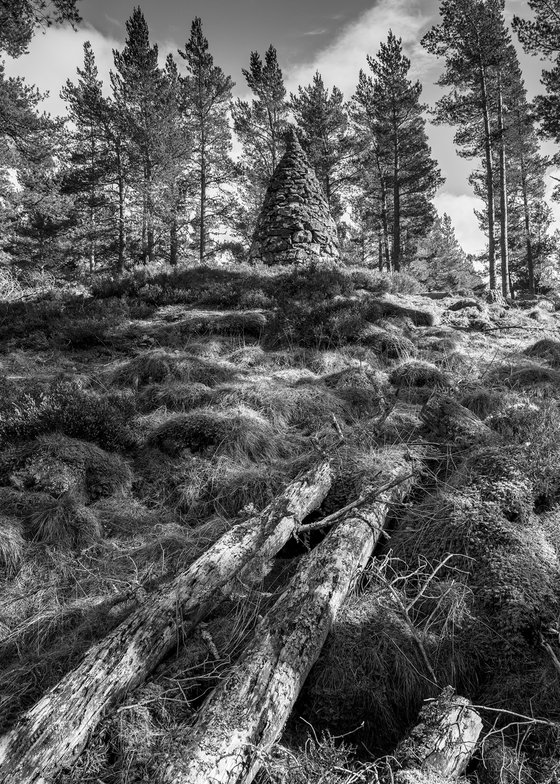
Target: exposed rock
{"points": [[295, 225]]}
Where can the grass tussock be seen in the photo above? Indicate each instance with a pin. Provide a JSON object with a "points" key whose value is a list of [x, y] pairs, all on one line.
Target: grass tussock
{"points": [[524, 375], [389, 345], [56, 465], [419, 375], [157, 367], [547, 349], [175, 396], [12, 544], [304, 406], [65, 523], [237, 432]]}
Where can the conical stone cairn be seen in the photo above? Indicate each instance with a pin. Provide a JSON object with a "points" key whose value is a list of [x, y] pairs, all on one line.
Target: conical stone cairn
{"points": [[295, 225]]}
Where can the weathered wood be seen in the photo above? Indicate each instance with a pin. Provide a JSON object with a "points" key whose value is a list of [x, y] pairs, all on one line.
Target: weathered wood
{"points": [[52, 734], [443, 741], [247, 711]]}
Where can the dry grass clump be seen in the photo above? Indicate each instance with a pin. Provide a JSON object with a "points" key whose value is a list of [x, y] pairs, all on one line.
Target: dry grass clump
{"points": [[525, 375], [150, 367], [56, 465], [126, 516], [304, 406], [12, 544], [229, 487], [251, 356], [248, 324], [389, 345], [157, 367], [404, 307], [175, 396], [441, 344], [361, 388], [545, 349], [235, 431], [419, 374], [482, 400], [328, 362], [402, 425], [64, 523]]}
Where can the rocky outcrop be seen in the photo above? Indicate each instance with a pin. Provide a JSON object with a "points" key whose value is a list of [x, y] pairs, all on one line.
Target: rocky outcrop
{"points": [[295, 225]]}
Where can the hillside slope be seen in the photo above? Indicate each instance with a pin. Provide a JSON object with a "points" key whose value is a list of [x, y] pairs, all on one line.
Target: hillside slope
{"points": [[140, 424]]}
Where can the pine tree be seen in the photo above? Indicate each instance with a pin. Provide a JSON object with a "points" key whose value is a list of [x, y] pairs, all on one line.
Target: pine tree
{"points": [[260, 126], [529, 216], [20, 18], [393, 143], [88, 158], [474, 42], [43, 211], [441, 263], [206, 98], [24, 147], [147, 110], [173, 186], [323, 124], [541, 36]]}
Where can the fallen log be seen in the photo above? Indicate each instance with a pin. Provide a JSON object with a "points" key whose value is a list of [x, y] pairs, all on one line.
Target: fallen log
{"points": [[247, 711], [442, 743], [51, 735]]}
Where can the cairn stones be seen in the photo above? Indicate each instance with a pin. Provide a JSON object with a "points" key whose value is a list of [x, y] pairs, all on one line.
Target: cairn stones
{"points": [[295, 225]]}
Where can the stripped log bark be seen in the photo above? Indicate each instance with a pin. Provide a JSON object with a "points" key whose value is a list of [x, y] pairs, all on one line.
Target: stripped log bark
{"points": [[247, 711], [442, 743], [52, 734]]}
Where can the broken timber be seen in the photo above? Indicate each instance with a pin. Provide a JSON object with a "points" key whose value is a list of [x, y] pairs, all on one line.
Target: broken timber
{"points": [[247, 711], [51, 735], [441, 744]]}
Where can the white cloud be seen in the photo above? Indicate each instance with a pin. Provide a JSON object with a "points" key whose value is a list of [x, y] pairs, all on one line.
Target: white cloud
{"points": [[460, 208], [54, 57], [340, 62]]}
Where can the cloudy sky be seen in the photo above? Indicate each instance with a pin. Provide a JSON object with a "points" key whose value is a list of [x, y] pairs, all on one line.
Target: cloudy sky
{"points": [[324, 35]]}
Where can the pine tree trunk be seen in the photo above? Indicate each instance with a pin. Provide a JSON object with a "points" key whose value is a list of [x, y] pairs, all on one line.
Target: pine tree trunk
{"points": [[52, 734], [173, 242], [504, 250], [396, 203], [202, 251], [120, 185], [489, 180], [92, 207], [247, 711], [527, 223], [384, 216]]}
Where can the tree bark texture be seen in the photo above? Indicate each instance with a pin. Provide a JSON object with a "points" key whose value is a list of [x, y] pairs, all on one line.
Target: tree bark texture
{"points": [[489, 179], [443, 741], [51, 735], [246, 713], [504, 250]]}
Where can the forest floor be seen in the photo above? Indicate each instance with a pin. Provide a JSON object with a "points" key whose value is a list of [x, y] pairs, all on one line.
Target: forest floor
{"points": [[140, 423]]}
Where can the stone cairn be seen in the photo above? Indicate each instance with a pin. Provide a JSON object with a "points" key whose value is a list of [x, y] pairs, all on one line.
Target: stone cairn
{"points": [[295, 225]]}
